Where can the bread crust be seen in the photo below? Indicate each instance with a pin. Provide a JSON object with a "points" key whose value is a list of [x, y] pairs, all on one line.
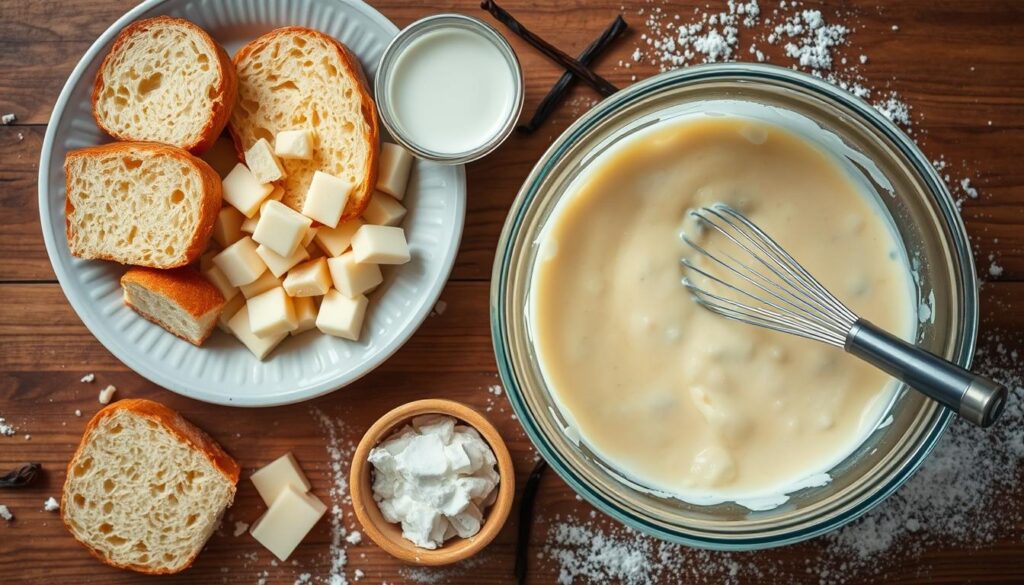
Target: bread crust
{"points": [[185, 431], [186, 287], [227, 88], [358, 200], [208, 209]]}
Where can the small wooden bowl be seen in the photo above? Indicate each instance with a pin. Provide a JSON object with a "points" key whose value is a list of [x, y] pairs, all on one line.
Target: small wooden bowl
{"points": [[388, 536]]}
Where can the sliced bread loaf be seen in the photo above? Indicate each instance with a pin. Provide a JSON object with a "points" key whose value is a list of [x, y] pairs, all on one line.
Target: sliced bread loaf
{"points": [[296, 78], [139, 203], [181, 300], [146, 488], [165, 80]]}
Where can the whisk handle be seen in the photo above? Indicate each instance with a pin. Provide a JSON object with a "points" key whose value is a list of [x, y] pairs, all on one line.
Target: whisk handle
{"points": [[976, 398]]}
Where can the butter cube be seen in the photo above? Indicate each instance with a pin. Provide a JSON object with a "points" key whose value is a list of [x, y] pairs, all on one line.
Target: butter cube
{"points": [[218, 279], [230, 309], [227, 229], [262, 162], [240, 263], [278, 265], [334, 241], [271, 313], [249, 225], [310, 279], [383, 209], [341, 316], [242, 190], [271, 479], [326, 198], [261, 285], [305, 312], [259, 346], [288, 520], [296, 144], [308, 238], [393, 168], [352, 278], [379, 244], [281, 228]]}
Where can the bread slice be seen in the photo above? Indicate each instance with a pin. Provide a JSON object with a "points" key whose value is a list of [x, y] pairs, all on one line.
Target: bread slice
{"points": [[165, 80], [146, 488], [139, 203], [181, 300], [296, 78]]}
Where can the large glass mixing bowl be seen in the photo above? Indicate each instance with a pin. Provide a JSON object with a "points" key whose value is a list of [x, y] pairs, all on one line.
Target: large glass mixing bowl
{"points": [[927, 222]]}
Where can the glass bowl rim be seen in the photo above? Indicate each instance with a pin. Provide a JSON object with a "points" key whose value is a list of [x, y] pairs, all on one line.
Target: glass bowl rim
{"points": [[754, 73]]}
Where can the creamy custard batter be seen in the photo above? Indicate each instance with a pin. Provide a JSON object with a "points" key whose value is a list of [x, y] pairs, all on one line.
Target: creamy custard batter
{"points": [[673, 396]]}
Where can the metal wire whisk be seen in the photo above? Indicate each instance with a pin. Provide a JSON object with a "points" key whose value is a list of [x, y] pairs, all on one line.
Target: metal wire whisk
{"points": [[759, 283]]}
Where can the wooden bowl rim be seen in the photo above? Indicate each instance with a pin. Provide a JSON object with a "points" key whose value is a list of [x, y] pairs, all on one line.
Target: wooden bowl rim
{"points": [[456, 549]]}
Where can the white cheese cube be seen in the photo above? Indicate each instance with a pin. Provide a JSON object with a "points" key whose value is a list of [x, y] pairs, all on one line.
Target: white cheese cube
{"points": [[271, 313], [288, 520], [249, 225], [308, 238], [383, 209], [216, 277], [341, 316], [261, 285], [310, 279], [393, 166], [379, 244], [230, 309], [281, 228], [278, 265], [259, 346], [305, 313], [326, 198], [334, 241], [351, 277], [240, 263], [294, 144], [227, 229], [271, 479], [241, 189], [264, 165]]}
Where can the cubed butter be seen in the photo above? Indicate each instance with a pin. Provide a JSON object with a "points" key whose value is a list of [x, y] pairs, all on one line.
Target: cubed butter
{"points": [[278, 265], [230, 309], [305, 312], [227, 229], [287, 522], [379, 244], [240, 263], [262, 162], [271, 479], [393, 166], [250, 223], [352, 278], [341, 316], [294, 144], [309, 279], [216, 277], [281, 228], [261, 285], [384, 209], [241, 189], [334, 241], [259, 346], [326, 198], [271, 313]]}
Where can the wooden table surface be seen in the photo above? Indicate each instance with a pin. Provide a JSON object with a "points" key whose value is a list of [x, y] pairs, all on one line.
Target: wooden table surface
{"points": [[959, 64]]}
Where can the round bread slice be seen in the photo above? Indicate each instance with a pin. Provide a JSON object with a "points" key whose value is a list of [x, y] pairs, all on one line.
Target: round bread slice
{"points": [[139, 203], [165, 80], [146, 488], [295, 78]]}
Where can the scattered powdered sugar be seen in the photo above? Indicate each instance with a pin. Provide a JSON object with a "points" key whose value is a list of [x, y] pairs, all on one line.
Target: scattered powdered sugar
{"points": [[5, 513], [440, 575], [51, 504], [88, 378], [7, 429], [354, 537], [240, 528], [339, 454]]}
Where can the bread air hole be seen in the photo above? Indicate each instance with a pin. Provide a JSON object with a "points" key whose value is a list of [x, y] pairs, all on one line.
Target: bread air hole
{"points": [[106, 528], [83, 467], [116, 540], [108, 485], [191, 519], [150, 83], [288, 84], [79, 500], [131, 163], [177, 196], [108, 507]]}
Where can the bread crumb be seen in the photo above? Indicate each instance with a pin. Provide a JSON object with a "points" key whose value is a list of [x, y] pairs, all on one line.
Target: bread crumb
{"points": [[107, 394], [51, 504], [78, 412], [88, 378], [439, 308], [5, 513], [240, 528], [358, 574], [354, 537], [7, 119], [28, 437]]}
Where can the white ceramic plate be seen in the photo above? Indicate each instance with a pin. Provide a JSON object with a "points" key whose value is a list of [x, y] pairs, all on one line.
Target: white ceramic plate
{"points": [[223, 371]]}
